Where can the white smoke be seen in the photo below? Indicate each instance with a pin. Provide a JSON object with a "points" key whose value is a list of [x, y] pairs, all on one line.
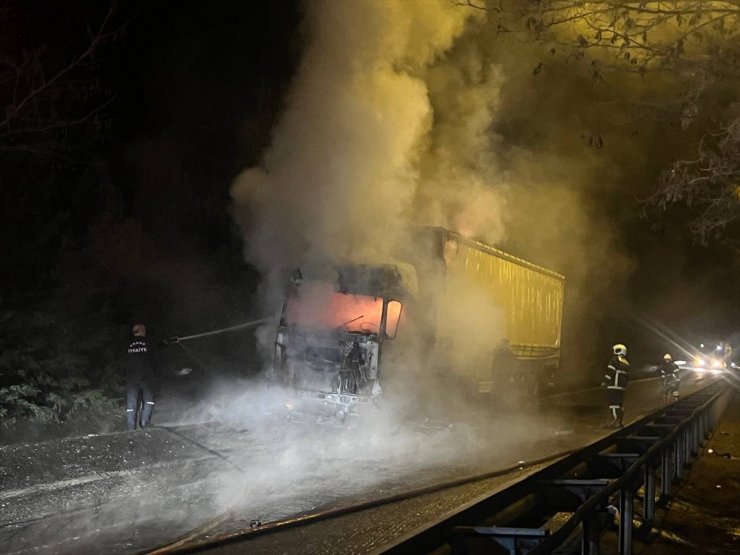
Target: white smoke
{"points": [[386, 125]]}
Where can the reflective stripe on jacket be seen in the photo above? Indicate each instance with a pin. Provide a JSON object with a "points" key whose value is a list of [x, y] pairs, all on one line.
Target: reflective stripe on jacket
{"points": [[617, 373]]}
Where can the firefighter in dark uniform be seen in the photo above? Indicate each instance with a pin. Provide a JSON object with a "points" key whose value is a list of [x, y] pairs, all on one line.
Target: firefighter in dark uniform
{"points": [[616, 379], [351, 373], [139, 373], [670, 377]]}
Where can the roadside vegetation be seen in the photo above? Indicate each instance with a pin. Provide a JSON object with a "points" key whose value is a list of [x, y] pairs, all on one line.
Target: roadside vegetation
{"points": [[88, 243]]}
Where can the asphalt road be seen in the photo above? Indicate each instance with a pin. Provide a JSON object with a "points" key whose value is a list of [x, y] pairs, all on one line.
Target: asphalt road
{"points": [[131, 491]]}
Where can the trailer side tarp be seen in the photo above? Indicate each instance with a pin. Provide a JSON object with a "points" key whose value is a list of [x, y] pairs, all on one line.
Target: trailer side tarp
{"points": [[532, 301], [530, 298]]}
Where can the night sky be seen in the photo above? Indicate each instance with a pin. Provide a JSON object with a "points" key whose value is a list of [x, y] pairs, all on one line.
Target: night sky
{"points": [[130, 216]]}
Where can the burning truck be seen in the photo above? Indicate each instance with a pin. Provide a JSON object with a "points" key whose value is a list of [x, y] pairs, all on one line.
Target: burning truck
{"points": [[345, 329]]}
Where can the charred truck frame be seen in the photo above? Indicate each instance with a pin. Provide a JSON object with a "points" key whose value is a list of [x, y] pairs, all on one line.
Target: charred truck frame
{"points": [[330, 338], [337, 323]]}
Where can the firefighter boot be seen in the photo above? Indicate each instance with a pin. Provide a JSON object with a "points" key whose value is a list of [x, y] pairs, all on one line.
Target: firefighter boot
{"points": [[148, 408], [146, 414], [132, 403], [614, 410], [614, 423]]}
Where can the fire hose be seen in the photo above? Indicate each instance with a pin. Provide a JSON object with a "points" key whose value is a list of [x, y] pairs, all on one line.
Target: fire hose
{"points": [[180, 339]]}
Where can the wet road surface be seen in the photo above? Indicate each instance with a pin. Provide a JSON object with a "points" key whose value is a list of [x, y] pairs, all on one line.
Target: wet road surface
{"points": [[131, 491]]}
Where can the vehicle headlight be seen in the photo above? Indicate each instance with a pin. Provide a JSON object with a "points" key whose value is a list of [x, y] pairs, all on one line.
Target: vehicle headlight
{"points": [[716, 364], [700, 362]]}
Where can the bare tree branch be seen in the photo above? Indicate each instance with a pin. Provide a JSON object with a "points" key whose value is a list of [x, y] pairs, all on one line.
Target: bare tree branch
{"points": [[710, 183], [44, 96], [694, 43]]}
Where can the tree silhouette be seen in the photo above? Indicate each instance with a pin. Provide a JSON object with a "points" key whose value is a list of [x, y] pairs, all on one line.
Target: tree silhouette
{"points": [[694, 46], [52, 100]]}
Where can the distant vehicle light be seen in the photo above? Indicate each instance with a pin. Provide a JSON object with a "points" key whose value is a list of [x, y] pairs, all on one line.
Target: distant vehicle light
{"points": [[681, 362], [700, 362], [716, 364]]}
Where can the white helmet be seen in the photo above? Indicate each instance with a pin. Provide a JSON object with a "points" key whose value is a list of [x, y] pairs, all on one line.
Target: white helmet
{"points": [[619, 349], [667, 356]]}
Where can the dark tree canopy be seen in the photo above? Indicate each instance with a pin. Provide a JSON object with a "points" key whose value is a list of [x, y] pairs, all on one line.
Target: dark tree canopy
{"points": [[693, 47]]}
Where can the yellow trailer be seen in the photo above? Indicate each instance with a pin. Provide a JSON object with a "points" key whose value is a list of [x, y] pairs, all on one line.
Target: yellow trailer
{"points": [[477, 296]]}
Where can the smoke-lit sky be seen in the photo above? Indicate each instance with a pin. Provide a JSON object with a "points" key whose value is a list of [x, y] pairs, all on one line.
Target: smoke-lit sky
{"points": [[328, 127]]}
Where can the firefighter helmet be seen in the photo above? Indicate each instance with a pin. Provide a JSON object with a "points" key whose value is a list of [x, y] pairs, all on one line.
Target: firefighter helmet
{"points": [[667, 356], [619, 349]]}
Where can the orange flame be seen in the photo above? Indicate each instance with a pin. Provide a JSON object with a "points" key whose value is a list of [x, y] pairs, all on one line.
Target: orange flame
{"points": [[317, 305]]}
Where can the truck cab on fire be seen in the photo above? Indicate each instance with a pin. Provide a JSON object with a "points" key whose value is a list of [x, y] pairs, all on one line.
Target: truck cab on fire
{"points": [[333, 325]]}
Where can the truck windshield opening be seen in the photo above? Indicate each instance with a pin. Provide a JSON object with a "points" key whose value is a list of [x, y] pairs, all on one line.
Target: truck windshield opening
{"points": [[317, 305]]}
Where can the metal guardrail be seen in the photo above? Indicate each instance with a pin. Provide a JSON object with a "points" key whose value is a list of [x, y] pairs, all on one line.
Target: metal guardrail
{"points": [[565, 507]]}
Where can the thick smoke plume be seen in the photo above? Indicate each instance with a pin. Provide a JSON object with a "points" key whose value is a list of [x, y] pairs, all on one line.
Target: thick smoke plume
{"points": [[387, 126], [421, 113], [369, 139]]}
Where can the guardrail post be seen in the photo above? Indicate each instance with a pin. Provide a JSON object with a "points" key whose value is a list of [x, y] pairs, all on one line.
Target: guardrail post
{"points": [[666, 478], [689, 442], [649, 504], [697, 440], [591, 532], [687, 445], [626, 504], [707, 423], [679, 452]]}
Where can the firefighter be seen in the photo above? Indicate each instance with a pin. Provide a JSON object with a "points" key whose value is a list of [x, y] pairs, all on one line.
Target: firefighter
{"points": [[670, 377], [139, 373], [351, 373], [615, 381]]}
